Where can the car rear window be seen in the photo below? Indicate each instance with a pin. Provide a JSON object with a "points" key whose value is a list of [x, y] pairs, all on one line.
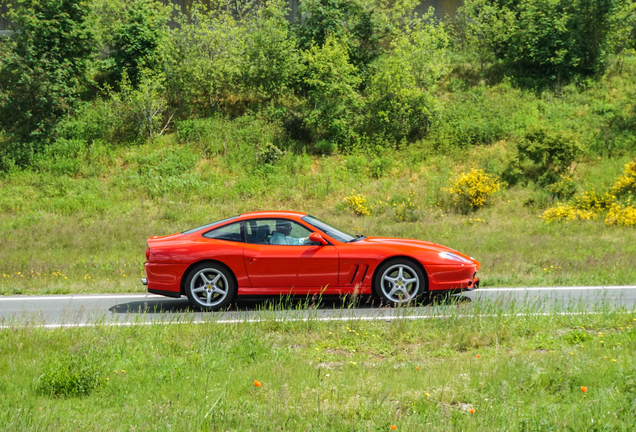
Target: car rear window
{"points": [[230, 232], [210, 225]]}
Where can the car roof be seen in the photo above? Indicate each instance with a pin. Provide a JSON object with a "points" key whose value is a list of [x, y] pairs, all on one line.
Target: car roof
{"points": [[273, 213]]}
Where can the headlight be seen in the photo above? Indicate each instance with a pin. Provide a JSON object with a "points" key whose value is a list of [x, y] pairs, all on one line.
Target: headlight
{"points": [[454, 257]]}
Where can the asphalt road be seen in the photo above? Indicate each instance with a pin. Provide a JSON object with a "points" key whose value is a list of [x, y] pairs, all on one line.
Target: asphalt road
{"points": [[131, 309]]}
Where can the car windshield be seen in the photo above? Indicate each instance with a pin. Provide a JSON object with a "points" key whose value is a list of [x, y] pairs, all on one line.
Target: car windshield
{"points": [[328, 229], [210, 225]]}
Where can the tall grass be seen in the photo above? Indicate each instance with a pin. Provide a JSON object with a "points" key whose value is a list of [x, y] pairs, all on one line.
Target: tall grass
{"points": [[516, 368]]}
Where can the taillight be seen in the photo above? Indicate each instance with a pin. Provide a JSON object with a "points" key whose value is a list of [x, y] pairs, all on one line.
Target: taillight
{"points": [[147, 254]]}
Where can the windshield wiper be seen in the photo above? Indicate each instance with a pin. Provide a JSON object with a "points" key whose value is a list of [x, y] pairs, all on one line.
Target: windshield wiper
{"points": [[358, 237]]}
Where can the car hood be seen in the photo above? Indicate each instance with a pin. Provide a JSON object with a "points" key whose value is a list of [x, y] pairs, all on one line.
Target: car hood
{"points": [[418, 244]]}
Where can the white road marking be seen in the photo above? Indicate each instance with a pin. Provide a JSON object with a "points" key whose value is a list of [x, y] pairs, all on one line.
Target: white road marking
{"points": [[576, 288], [304, 319], [83, 297]]}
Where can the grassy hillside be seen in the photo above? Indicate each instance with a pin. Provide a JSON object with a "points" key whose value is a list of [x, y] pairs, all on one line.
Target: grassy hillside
{"points": [[86, 232], [76, 220]]}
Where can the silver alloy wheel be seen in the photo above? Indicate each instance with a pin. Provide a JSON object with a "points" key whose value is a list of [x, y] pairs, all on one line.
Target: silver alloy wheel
{"points": [[209, 287], [400, 283]]}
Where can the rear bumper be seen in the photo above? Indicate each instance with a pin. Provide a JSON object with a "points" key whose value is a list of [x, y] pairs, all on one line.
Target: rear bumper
{"points": [[164, 279]]}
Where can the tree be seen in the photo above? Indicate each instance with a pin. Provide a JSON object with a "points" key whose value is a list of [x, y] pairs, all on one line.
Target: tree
{"points": [[45, 72]]}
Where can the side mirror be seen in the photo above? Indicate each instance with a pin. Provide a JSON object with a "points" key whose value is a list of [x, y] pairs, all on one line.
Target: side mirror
{"points": [[317, 238]]}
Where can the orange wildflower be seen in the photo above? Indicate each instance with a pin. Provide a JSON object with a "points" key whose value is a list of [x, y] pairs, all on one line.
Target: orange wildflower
{"points": [[583, 389], [393, 427], [472, 410], [417, 368], [257, 383], [478, 356]]}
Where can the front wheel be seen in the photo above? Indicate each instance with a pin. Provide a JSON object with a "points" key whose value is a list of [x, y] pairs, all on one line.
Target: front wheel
{"points": [[210, 287], [399, 281]]}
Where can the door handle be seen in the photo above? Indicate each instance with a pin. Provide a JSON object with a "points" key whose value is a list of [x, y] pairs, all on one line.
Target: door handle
{"points": [[253, 260]]}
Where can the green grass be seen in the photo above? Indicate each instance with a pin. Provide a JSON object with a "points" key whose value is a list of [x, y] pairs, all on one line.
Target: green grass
{"points": [[516, 369]]}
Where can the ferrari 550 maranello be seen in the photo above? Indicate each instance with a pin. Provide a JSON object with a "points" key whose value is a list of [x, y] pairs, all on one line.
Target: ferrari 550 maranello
{"points": [[280, 253]]}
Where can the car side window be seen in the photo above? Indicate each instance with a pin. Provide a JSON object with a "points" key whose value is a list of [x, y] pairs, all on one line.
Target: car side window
{"points": [[276, 232], [230, 232]]}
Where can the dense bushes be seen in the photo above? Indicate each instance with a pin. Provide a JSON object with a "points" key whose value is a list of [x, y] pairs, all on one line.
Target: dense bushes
{"points": [[544, 40], [349, 74], [44, 74]]}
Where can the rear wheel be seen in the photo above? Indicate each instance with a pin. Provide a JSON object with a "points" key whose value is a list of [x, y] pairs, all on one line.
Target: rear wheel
{"points": [[210, 287], [399, 281]]}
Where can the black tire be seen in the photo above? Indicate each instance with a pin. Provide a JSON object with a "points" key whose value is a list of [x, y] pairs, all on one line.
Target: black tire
{"points": [[400, 281], [210, 287]]}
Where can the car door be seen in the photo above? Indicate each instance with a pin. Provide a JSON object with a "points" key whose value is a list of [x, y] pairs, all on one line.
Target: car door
{"points": [[292, 261]]}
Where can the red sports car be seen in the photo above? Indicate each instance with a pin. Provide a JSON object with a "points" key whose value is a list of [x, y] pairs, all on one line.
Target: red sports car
{"points": [[277, 252]]}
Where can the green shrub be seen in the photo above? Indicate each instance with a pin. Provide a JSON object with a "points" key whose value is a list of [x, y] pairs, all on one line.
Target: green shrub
{"points": [[205, 61], [361, 26], [356, 164], [69, 376], [239, 139], [543, 40], [63, 157], [334, 104], [269, 154], [563, 189], [544, 155], [99, 119], [272, 58], [137, 39], [379, 166], [45, 73], [401, 92], [325, 147]]}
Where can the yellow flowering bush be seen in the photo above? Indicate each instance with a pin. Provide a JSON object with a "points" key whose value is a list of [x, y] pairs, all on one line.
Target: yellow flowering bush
{"points": [[590, 204], [472, 190], [621, 215], [569, 213], [358, 204], [626, 183], [564, 188]]}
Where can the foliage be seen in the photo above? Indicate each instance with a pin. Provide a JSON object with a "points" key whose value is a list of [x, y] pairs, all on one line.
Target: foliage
{"points": [[272, 58], [544, 155], [404, 207], [563, 189], [481, 116], [144, 106], [269, 154], [472, 190], [237, 139], [136, 41], [360, 25], [45, 73], [402, 83], [204, 61], [334, 105], [358, 204], [544, 40], [325, 147], [69, 376]]}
